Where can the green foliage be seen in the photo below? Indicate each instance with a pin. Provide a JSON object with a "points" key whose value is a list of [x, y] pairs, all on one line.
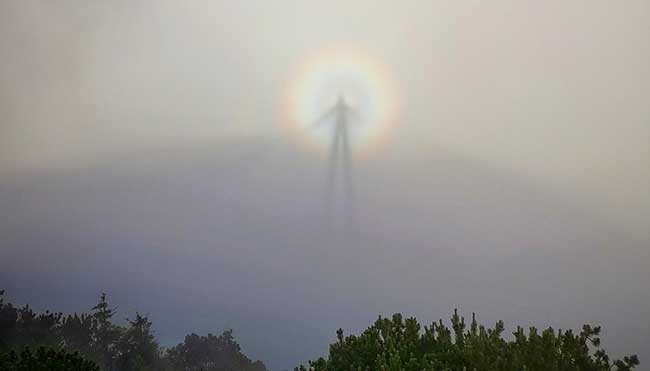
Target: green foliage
{"points": [[136, 348], [20, 327], [78, 332], [400, 345], [45, 359], [211, 353], [94, 335], [103, 333], [394, 344]]}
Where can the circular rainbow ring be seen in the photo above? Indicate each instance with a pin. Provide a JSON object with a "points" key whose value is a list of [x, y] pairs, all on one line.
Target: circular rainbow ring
{"points": [[317, 82]]}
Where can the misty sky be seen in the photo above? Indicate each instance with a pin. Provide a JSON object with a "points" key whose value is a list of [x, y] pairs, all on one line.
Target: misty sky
{"points": [[143, 152]]}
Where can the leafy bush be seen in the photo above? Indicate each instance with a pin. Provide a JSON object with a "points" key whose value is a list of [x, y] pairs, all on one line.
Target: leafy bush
{"points": [[94, 335], [400, 345], [211, 353], [45, 359]]}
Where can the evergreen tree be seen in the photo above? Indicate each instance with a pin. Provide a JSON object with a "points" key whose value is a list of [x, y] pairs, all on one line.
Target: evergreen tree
{"points": [[45, 359], [103, 334], [137, 349], [20, 327], [400, 345], [77, 332], [8, 319], [111, 347], [211, 353]]}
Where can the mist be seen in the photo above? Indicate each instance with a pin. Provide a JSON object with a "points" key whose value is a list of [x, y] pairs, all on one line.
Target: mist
{"points": [[144, 153]]}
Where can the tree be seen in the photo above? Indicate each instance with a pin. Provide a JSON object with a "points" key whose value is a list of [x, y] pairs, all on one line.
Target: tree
{"points": [[211, 353], [103, 334], [400, 345], [45, 359], [20, 327], [77, 333], [137, 349], [109, 346], [8, 319]]}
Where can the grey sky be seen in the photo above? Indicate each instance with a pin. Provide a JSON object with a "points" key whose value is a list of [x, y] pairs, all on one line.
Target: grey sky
{"points": [[137, 136]]}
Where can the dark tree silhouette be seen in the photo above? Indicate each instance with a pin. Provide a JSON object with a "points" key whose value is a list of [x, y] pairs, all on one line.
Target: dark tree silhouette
{"points": [[45, 359], [91, 341], [77, 333], [211, 353], [104, 334], [113, 348], [20, 327], [137, 349], [400, 345]]}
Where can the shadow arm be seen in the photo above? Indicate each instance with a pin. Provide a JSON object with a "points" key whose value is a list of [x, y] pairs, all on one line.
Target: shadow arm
{"points": [[326, 116]]}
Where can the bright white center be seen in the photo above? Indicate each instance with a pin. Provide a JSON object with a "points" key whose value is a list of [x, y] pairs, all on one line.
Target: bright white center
{"points": [[361, 82]]}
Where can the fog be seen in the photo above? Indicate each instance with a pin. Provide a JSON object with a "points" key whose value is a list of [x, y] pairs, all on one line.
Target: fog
{"points": [[144, 152]]}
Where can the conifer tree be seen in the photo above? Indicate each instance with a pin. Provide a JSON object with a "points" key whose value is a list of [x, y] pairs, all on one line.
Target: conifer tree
{"points": [[45, 359], [400, 345], [104, 334]]}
